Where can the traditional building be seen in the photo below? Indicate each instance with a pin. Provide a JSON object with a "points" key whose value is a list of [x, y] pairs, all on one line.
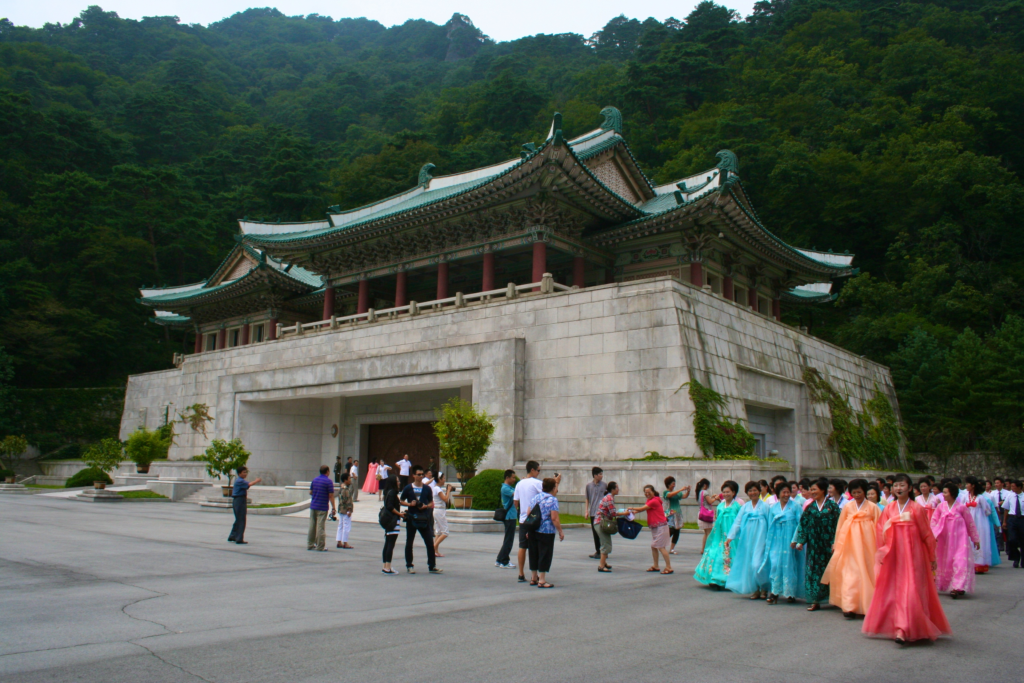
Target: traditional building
{"points": [[484, 255]]}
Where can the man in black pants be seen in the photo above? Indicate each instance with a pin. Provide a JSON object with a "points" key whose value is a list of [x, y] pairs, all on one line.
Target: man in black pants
{"points": [[239, 493], [511, 517], [419, 518], [1014, 508]]}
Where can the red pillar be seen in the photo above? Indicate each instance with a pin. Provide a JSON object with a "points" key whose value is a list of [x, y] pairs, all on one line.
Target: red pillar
{"points": [[777, 309], [697, 274], [222, 339], [579, 269], [488, 272], [272, 332], [199, 341], [328, 302], [245, 335], [727, 289], [400, 281], [540, 262], [442, 280], [364, 296]]}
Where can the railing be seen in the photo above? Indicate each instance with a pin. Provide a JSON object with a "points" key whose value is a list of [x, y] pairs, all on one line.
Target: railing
{"points": [[547, 285]]}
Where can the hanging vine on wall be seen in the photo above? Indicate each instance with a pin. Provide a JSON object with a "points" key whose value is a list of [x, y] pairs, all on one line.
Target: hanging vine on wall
{"points": [[871, 437], [716, 435]]}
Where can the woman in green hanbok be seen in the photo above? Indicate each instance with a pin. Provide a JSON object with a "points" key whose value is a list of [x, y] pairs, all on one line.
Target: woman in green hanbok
{"points": [[817, 530], [713, 567]]}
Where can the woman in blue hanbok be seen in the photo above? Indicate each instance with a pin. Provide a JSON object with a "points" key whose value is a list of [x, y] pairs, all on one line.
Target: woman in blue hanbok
{"points": [[980, 507], [745, 545], [784, 563], [713, 567]]}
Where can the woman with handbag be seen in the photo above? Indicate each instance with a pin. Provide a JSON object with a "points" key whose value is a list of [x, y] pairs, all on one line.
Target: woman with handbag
{"points": [[606, 526], [658, 524], [675, 511], [391, 520], [705, 513], [714, 563]]}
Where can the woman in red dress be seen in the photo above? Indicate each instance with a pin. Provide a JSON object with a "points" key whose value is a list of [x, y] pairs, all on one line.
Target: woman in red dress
{"points": [[906, 605]]}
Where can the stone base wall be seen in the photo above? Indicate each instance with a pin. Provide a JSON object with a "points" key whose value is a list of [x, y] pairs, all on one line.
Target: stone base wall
{"points": [[977, 463], [594, 375]]}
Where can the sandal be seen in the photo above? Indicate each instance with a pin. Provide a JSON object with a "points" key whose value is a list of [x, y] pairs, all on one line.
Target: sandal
{"points": [[814, 608], [772, 599], [653, 569], [791, 600], [533, 582], [667, 571], [605, 570], [545, 585], [756, 596], [438, 555]]}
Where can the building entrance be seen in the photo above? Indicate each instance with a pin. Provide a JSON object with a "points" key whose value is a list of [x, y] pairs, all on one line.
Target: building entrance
{"points": [[389, 442]]}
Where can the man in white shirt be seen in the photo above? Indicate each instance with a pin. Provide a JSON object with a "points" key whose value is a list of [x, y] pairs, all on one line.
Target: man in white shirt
{"points": [[403, 471], [998, 494], [354, 479], [526, 490], [1013, 506]]}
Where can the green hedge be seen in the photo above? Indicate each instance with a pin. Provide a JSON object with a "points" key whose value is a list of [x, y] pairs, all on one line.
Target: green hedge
{"points": [[485, 488], [86, 477], [51, 418], [5, 473]]}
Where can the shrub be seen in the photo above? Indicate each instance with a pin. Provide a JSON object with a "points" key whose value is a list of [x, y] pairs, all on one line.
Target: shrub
{"points": [[223, 458], [463, 434], [86, 477], [6, 473], [106, 455], [485, 489], [144, 446], [12, 446]]}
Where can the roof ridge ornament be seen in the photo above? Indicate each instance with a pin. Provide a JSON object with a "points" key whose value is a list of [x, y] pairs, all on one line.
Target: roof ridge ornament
{"points": [[729, 167], [612, 119], [528, 149], [425, 176]]}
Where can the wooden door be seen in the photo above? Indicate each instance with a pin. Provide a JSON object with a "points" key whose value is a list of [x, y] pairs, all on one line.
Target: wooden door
{"points": [[415, 439]]}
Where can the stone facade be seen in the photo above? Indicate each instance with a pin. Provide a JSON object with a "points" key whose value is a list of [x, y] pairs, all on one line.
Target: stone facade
{"points": [[588, 375]]}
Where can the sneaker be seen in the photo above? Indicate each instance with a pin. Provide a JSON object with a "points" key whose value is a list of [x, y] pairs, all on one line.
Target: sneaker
{"points": [[498, 564], [410, 570], [242, 542], [435, 570], [522, 579], [595, 556], [389, 572]]}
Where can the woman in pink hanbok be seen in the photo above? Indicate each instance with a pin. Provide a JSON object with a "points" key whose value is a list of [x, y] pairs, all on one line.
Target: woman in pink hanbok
{"points": [[371, 485], [956, 540]]}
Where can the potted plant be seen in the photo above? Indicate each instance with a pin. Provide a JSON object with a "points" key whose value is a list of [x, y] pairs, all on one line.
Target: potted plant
{"points": [[11, 447], [144, 446], [106, 456], [223, 458], [464, 434]]}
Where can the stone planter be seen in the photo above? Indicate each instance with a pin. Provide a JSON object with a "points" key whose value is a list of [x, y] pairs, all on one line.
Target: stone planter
{"points": [[461, 502], [142, 469], [99, 485], [226, 491], [9, 480]]}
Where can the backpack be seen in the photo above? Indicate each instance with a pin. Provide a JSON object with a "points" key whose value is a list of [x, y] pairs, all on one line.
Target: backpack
{"points": [[533, 520]]}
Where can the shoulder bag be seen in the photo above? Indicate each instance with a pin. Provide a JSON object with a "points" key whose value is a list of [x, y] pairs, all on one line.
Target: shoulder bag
{"points": [[500, 512], [705, 514], [609, 526]]}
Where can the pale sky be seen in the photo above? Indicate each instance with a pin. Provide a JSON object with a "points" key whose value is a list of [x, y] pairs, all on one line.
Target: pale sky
{"points": [[501, 20]]}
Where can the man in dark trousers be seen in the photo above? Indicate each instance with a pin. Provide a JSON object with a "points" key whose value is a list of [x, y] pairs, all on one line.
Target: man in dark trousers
{"points": [[239, 492], [1013, 506], [419, 519], [596, 491]]}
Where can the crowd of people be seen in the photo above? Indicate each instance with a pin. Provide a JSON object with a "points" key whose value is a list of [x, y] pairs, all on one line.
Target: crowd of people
{"points": [[879, 550]]}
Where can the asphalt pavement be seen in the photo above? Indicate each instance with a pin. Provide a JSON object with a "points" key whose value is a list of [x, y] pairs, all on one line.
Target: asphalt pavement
{"points": [[151, 591]]}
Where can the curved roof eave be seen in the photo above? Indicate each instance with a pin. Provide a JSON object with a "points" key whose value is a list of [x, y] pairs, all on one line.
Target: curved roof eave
{"points": [[467, 187]]}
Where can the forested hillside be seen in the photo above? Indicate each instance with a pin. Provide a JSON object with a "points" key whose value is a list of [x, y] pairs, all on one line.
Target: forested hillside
{"points": [[888, 128]]}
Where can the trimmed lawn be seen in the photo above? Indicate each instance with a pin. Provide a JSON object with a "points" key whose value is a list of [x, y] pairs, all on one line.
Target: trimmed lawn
{"points": [[145, 493], [42, 486], [268, 505]]}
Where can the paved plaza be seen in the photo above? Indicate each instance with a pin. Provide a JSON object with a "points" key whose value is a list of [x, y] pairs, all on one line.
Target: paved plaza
{"points": [[151, 591]]}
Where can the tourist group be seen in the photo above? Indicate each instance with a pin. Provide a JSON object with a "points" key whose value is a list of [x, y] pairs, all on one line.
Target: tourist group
{"points": [[880, 550]]}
